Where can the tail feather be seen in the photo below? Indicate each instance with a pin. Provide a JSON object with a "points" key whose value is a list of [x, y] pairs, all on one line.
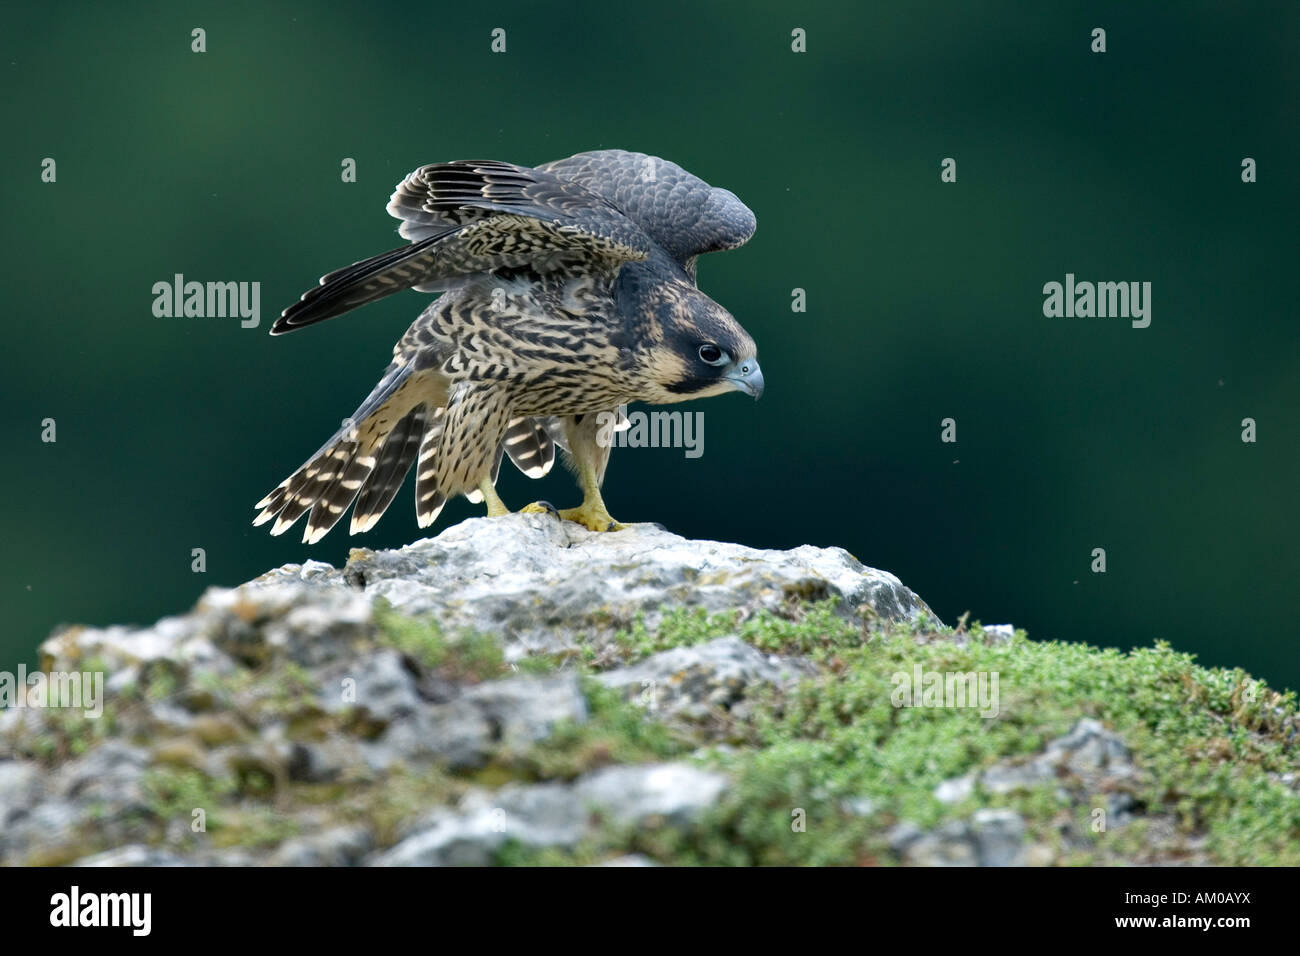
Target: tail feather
{"points": [[529, 446], [429, 500], [302, 490], [359, 461], [395, 459], [335, 490], [368, 465], [292, 487]]}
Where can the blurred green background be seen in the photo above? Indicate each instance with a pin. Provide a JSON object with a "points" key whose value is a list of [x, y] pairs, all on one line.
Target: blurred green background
{"points": [[924, 299]]}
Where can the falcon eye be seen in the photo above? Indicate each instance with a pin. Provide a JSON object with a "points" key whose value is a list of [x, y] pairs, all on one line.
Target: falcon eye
{"points": [[712, 355]]}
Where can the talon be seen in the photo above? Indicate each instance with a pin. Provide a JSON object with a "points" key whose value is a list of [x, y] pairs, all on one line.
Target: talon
{"points": [[541, 508], [592, 517]]}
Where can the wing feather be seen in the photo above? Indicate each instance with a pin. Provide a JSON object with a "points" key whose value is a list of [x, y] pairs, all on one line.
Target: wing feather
{"points": [[472, 218]]}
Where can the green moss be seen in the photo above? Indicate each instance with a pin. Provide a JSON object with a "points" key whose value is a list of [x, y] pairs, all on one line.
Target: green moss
{"points": [[679, 627], [245, 811], [160, 680], [815, 629], [466, 656], [385, 804], [255, 827], [1205, 741], [174, 793], [66, 732], [616, 732], [540, 665], [225, 689]]}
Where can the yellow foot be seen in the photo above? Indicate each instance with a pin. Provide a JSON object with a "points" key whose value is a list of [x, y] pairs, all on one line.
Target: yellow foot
{"points": [[592, 516], [539, 508]]}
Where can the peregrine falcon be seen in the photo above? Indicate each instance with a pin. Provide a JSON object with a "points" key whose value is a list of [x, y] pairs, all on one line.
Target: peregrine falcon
{"points": [[568, 290]]}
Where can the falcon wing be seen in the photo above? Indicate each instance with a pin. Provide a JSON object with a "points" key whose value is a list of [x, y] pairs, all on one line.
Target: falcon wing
{"points": [[474, 217], [681, 212]]}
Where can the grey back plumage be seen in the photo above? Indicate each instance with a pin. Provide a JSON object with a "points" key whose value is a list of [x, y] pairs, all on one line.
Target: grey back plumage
{"points": [[682, 213]]}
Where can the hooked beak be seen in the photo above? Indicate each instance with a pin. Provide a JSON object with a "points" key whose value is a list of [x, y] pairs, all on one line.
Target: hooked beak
{"points": [[746, 377]]}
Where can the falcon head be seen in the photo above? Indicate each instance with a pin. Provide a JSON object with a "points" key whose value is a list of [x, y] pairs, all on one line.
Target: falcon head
{"points": [[701, 350]]}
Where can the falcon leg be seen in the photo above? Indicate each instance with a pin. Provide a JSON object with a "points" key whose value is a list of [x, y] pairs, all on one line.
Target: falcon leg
{"points": [[592, 513], [589, 457], [495, 506]]}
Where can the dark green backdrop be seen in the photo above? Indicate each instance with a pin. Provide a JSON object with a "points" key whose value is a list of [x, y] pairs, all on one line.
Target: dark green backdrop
{"points": [[924, 299]]}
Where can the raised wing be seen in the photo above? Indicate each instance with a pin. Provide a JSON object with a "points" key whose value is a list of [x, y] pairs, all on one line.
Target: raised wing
{"points": [[681, 212], [474, 217]]}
